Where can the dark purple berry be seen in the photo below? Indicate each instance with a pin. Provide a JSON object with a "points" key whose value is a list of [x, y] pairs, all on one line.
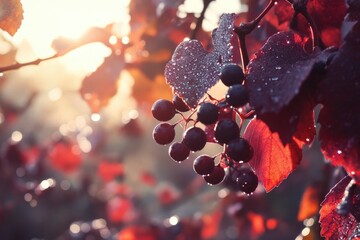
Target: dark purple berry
{"points": [[163, 110], [237, 95], [239, 150], [204, 165], [179, 151], [194, 138], [226, 130], [208, 113], [247, 180], [232, 74], [179, 104], [164, 133], [216, 177]]}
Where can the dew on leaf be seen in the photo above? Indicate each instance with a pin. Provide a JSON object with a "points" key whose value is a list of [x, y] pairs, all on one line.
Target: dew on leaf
{"points": [[186, 74]]}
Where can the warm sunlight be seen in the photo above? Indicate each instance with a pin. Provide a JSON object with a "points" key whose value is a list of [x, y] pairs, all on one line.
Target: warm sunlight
{"points": [[46, 20]]}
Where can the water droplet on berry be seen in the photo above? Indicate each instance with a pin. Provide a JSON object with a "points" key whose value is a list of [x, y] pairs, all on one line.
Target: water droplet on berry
{"points": [[339, 152], [278, 68]]}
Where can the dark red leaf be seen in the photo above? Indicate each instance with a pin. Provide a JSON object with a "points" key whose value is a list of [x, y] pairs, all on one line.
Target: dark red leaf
{"points": [[101, 85], [193, 70], [353, 11], [278, 71], [333, 225], [340, 116], [272, 160]]}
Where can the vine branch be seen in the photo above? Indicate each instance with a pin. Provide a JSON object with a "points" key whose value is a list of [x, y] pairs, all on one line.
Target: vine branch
{"points": [[200, 19], [245, 28], [20, 65]]}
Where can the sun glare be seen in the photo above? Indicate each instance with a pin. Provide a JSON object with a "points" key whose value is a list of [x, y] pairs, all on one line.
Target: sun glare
{"points": [[45, 20]]}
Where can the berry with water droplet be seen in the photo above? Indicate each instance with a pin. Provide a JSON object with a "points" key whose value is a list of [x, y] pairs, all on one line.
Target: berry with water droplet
{"points": [[231, 74], [237, 95], [164, 133], [226, 130], [179, 151], [208, 113], [247, 180], [216, 177], [179, 104], [163, 110], [239, 150], [204, 165], [194, 138]]}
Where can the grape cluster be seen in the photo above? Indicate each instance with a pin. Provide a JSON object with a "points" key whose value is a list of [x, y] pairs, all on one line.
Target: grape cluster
{"points": [[218, 120]]}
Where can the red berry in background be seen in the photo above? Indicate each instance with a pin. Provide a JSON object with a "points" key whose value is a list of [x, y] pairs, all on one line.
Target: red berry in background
{"points": [[64, 156], [226, 130], [204, 165], [239, 150], [216, 177], [179, 104], [164, 133], [179, 151], [232, 74], [194, 138], [163, 110]]}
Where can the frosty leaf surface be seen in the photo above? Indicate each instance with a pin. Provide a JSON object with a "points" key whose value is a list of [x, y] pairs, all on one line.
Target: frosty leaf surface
{"points": [[278, 70], [193, 70]]}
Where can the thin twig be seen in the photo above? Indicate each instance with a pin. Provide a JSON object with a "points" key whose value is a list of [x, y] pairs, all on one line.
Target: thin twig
{"points": [[20, 65]]}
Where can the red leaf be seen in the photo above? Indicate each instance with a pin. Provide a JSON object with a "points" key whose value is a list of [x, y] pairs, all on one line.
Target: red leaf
{"points": [[340, 116], [193, 70], [333, 225], [272, 161], [11, 15], [101, 85]]}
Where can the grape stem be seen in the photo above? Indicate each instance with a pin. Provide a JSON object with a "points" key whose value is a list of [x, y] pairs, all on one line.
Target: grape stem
{"points": [[300, 6], [246, 28]]}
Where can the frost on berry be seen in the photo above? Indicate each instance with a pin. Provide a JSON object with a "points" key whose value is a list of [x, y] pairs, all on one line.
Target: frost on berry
{"points": [[340, 116], [272, 161], [334, 225], [192, 71]]}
